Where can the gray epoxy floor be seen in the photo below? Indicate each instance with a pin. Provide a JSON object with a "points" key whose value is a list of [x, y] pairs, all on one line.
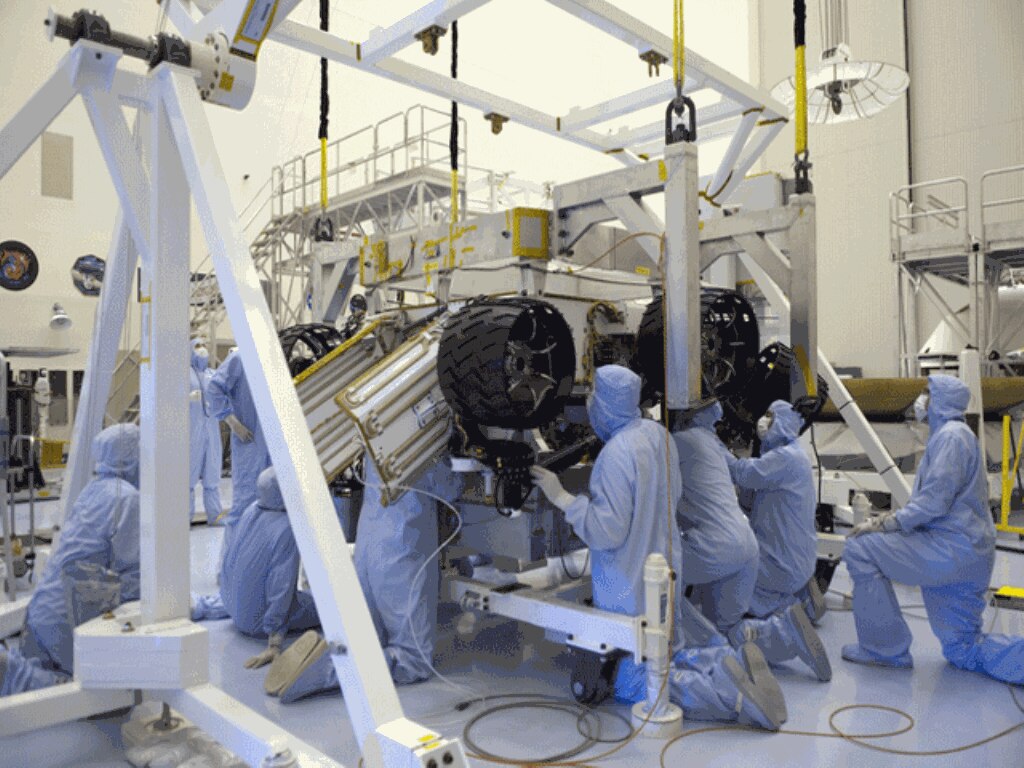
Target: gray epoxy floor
{"points": [[951, 707]]}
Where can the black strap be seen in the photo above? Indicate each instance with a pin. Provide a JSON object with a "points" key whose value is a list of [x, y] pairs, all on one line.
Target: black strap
{"points": [[453, 135], [325, 99]]}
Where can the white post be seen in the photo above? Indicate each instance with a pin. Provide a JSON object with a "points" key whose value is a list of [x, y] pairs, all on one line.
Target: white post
{"points": [[99, 371], [369, 692], [682, 277], [844, 402], [163, 383], [970, 374], [662, 718]]}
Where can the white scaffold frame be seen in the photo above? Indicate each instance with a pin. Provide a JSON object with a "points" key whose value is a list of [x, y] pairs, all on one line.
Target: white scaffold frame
{"points": [[154, 200]]}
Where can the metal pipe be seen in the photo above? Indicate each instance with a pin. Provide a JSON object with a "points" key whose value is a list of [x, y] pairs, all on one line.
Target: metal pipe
{"points": [[5, 453]]}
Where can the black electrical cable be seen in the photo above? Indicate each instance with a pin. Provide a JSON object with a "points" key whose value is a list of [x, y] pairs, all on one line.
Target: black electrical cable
{"points": [[558, 706], [325, 99], [817, 458], [453, 131]]}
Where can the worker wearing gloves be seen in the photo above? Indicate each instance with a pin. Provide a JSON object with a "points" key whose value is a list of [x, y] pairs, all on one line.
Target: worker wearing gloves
{"points": [[230, 400], [102, 528], [205, 452], [394, 551], [780, 485], [943, 541], [260, 574], [719, 551], [629, 514]]}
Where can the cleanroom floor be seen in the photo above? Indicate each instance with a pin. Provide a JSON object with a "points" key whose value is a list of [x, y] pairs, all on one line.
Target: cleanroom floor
{"points": [[950, 707]]}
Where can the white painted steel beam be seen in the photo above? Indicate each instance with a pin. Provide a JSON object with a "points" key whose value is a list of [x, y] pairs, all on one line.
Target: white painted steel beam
{"points": [[619, 24], [362, 671], [660, 92], [384, 43], [848, 408], [35, 710], [99, 370], [42, 108], [239, 729], [334, 48], [682, 278], [228, 15], [164, 380]]}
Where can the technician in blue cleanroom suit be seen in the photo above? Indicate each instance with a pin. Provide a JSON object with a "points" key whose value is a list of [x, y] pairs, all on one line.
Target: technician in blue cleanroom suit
{"points": [[943, 541], [394, 559], [719, 551], [630, 514], [102, 528], [780, 485], [260, 574], [205, 451], [230, 400]]}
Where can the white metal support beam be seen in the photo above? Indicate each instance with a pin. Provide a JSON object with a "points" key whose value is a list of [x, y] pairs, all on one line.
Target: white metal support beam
{"points": [[803, 289], [39, 111], [844, 402], [637, 218], [619, 24], [99, 371], [771, 259], [239, 729], [229, 14], [59, 704], [329, 46], [369, 693], [163, 380], [384, 43], [682, 278]]}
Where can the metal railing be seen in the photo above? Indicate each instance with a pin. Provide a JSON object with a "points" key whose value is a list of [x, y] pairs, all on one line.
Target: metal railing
{"points": [[909, 217], [404, 141], [1014, 173]]}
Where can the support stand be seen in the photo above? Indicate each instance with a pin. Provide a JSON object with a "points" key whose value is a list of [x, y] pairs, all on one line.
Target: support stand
{"points": [[164, 654]]}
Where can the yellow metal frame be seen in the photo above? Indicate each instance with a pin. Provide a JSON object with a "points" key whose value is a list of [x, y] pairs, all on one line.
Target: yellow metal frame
{"points": [[518, 249], [1008, 475]]}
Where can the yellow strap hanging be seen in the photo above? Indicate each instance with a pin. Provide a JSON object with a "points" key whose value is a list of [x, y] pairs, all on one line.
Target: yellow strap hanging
{"points": [[678, 46], [453, 221], [801, 99], [323, 174]]}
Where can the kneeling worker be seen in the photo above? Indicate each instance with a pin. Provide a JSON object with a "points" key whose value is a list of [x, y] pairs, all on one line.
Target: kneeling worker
{"points": [[781, 485], [394, 544], [943, 541], [630, 514], [102, 529]]}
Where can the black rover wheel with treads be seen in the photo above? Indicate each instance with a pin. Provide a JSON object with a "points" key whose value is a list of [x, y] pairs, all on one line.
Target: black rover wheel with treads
{"points": [[507, 363]]}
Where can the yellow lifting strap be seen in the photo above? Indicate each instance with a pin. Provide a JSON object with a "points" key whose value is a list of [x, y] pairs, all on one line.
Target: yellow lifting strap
{"points": [[801, 99], [323, 174], [678, 47], [453, 221]]}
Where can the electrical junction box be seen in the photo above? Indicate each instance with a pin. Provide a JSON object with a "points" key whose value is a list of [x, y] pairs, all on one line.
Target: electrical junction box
{"points": [[115, 651]]}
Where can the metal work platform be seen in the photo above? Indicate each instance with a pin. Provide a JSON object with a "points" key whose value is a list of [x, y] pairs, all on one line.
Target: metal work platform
{"points": [[932, 235]]}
